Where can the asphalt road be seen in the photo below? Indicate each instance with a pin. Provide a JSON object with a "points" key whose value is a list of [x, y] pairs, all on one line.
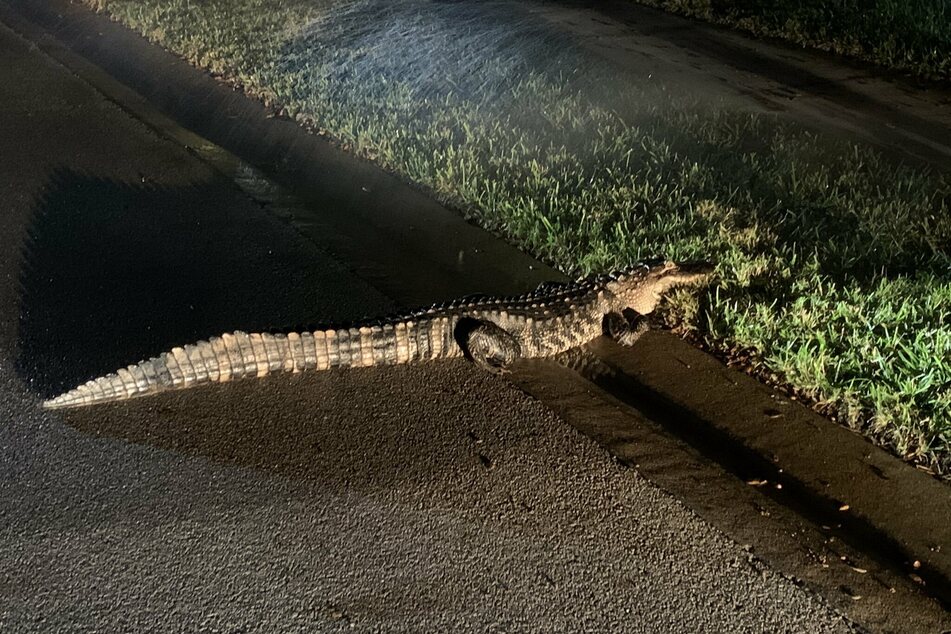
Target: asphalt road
{"points": [[420, 499], [834, 96]]}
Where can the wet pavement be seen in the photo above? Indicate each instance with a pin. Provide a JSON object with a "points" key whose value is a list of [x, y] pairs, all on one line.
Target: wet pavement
{"points": [[429, 498]]}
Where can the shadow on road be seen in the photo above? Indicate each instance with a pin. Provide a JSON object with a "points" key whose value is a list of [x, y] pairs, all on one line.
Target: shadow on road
{"points": [[113, 273]]}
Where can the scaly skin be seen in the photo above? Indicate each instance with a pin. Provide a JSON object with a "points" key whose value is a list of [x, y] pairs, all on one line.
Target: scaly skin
{"points": [[491, 331]]}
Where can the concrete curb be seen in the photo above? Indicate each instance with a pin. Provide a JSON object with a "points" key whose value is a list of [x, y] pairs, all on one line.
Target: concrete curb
{"points": [[829, 472], [826, 472]]}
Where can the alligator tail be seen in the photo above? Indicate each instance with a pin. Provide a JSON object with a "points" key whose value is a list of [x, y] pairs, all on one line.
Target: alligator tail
{"points": [[240, 355]]}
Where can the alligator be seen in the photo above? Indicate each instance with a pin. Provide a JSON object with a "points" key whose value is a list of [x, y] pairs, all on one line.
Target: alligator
{"points": [[493, 332]]}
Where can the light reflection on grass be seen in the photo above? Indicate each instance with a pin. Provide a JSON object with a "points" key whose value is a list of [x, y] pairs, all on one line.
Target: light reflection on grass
{"points": [[833, 259]]}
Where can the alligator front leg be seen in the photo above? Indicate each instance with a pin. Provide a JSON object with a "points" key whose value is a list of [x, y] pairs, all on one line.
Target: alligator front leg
{"points": [[625, 328], [489, 346]]}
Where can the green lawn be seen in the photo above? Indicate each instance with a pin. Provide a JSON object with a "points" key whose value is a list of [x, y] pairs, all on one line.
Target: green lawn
{"points": [[909, 35], [834, 260]]}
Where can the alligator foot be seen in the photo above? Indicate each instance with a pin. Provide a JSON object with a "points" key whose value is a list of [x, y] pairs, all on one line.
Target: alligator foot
{"points": [[490, 347], [625, 328]]}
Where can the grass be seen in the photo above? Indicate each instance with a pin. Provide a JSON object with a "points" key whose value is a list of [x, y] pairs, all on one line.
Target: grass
{"points": [[908, 35], [833, 259]]}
